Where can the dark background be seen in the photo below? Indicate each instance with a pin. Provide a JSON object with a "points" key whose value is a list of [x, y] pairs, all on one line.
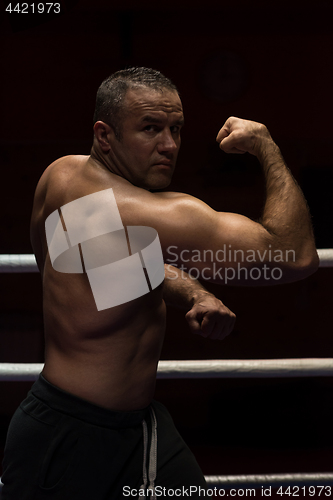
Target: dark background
{"points": [[266, 61]]}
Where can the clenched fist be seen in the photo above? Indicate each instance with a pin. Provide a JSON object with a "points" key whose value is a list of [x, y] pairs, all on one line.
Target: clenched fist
{"points": [[244, 136], [210, 318]]}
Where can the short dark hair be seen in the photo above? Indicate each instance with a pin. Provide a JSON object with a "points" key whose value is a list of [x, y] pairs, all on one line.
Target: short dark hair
{"points": [[111, 93]]}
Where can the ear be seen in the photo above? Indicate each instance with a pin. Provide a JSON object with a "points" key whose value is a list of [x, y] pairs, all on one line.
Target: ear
{"points": [[102, 133]]}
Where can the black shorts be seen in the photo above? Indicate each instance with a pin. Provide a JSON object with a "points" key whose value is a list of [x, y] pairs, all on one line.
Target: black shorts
{"points": [[60, 447]]}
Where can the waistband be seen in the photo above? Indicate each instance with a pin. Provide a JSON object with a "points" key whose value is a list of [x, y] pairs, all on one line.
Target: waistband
{"points": [[71, 405]]}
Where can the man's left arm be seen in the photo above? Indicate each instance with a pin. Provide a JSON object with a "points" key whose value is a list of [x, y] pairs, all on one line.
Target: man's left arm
{"points": [[207, 315]]}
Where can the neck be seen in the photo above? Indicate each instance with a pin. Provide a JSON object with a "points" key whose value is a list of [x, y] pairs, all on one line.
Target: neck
{"points": [[98, 157], [103, 162]]}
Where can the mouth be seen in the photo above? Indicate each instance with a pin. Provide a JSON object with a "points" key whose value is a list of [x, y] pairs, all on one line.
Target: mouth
{"points": [[164, 164]]}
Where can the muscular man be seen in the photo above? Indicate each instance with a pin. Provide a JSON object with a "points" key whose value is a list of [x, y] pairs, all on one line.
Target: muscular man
{"points": [[85, 427]]}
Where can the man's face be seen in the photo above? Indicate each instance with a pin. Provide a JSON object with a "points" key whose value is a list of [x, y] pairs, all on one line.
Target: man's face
{"points": [[147, 152]]}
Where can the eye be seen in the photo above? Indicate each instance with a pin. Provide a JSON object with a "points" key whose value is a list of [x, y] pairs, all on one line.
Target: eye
{"points": [[150, 128], [175, 129]]}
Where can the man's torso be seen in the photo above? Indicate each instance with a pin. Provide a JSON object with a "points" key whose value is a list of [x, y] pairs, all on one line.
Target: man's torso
{"points": [[108, 357]]}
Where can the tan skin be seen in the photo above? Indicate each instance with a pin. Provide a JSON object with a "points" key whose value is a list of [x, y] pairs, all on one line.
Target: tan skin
{"points": [[110, 357]]}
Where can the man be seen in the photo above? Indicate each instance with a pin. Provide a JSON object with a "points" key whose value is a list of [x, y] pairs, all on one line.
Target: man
{"points": [[79, 433]]}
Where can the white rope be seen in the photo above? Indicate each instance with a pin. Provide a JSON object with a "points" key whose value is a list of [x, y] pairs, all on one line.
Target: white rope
{"points": [[265, 480], [20, 263], [249, 368], [20, 372], [325, 257], [213, 368], [26, 263], [274, 480]]}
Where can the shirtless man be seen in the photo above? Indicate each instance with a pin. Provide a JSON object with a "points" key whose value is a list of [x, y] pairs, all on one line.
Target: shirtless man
{"points": [[83, 418]]}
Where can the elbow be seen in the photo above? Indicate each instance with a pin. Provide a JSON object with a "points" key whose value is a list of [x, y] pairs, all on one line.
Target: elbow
{"points": [[305, 261], [315, 261], [307, 265]]}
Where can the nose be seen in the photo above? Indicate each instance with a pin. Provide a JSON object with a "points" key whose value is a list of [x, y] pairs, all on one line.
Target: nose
{"points": [[167, 143]]}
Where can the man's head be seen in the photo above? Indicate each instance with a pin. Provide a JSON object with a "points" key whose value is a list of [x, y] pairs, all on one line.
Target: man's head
{"points": [[110, 107], [138, 119]]}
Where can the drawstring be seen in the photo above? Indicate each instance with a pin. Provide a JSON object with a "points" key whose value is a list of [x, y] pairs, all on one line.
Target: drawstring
{"points": [[152, 458], [153, 455], [145, 446]]}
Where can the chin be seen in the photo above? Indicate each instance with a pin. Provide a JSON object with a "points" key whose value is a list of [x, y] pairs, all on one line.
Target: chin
{"points": [[157, 184]]}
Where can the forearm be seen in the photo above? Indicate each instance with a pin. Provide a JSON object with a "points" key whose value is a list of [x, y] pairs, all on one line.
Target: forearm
{"points": [[180, 290], [207, 315], [285, 215]]}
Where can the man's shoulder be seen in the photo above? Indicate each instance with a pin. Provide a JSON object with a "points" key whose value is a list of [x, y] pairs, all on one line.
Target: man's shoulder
{"points": [[58, 170], [64, 167], [59, 178]]}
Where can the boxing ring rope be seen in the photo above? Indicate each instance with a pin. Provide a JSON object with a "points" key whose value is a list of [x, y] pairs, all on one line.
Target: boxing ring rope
{"points": [[247, 368], [257, 481], [26, 263], [212, 368], [273, 480], [18, 263]]}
